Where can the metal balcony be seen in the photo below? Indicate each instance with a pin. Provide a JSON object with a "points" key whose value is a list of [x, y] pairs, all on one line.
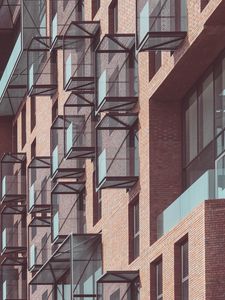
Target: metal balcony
{"points": [[13, 230], [39, 247], [42, 69], [79, 126], [117, 151], [118, 285], [9, 11], [63, 13], [61, 167], [80, 258], [13, 83], [79, 43], [161, 25], [39, 172], [68, 210], [13, 283], [13, 172], [116, 73]]}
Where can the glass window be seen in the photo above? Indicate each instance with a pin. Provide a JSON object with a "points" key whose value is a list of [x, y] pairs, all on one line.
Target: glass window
{"points": [[184, 271], [23, 125], [134, 230], [206, 112], [220, 97], [32, 112], [191, 129], [159, 281], [113, 17]]}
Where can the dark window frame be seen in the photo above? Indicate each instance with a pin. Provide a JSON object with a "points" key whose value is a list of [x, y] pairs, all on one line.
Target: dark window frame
{"points": [[134, 229], [32, 113], [23, 126], [113, 17]]}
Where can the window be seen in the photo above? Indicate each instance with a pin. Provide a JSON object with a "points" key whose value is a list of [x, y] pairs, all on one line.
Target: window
{"points": [[181, 269], [134, 229], [184, 271], [159, 280], [23, 126], [155, 61], [14, 142], [33, 232], [55, 110], [32, 113], [33, 149], [97, 202], [156, 279], [113, 17], [95, 7]]}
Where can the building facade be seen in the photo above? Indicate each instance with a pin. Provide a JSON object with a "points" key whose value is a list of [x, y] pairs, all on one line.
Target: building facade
{"points": [[112, 149]]}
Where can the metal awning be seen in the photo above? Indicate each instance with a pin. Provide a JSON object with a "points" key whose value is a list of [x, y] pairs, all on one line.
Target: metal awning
{"points": [[75, 248]]}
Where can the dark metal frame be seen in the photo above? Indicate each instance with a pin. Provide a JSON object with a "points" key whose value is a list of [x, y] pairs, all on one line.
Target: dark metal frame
{"points": [[57, 43], [85, 83], [117, 103], [178, 36], [121, 278], [61, 171], [47, 89], [79, 100], [19, 210], [65, 188], [125, 181], [63, 259], [13, 200]]}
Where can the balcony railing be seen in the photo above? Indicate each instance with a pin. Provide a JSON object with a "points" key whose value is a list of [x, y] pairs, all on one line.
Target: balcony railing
{"points": [[80, 255], [41, 68], [79, 126], [13, 233], [118, 285], [117, 151], [39, 184], [61, 167], [117, 73], [9, 10], [13, 185], [68, 210], [13, 84], [63, 13], [79, 43], [202, 189], [13, 283], [161, 25]]}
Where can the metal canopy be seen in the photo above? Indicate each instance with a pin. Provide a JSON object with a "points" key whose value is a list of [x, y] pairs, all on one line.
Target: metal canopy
{"points": [[40, 162], [119, 276], [116, 121], [75, 248], [41, 221], [77, 99], [82, 29], [116, 43], [13, 158], [68, 188], [125, 284]]}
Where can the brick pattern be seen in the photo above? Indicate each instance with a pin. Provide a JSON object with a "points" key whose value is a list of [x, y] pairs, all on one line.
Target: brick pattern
{"points": [[160, 143]]}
